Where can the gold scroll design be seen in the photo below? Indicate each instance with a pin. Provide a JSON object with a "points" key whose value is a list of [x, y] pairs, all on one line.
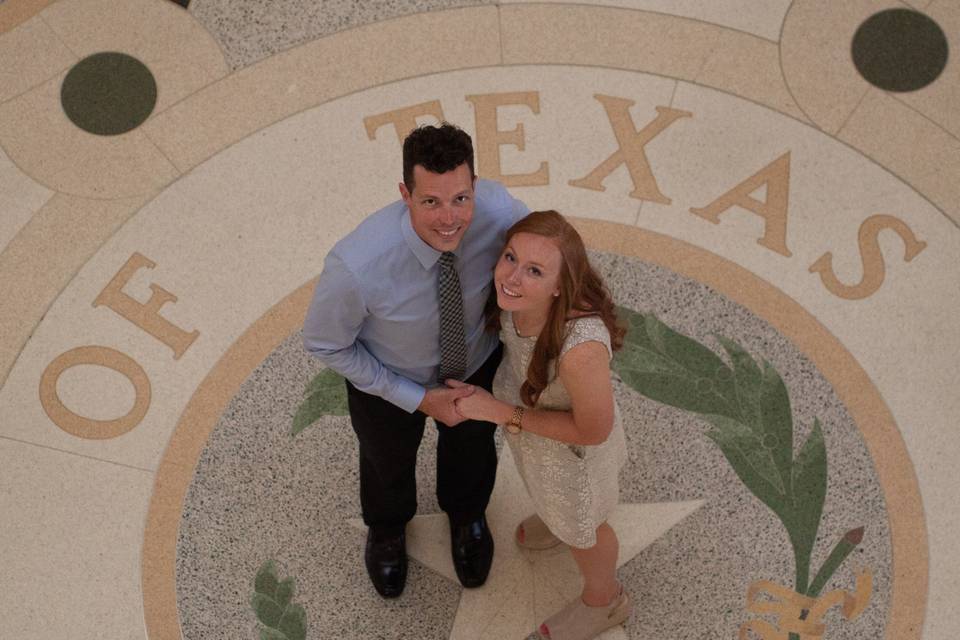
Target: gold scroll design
{"points": [[799, 614]]}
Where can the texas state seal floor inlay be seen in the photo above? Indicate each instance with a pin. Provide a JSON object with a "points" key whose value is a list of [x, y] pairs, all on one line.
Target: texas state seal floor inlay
{"points": [[769, 188]]}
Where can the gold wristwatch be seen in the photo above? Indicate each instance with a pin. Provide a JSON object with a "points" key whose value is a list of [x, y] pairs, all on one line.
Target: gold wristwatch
{"points": [[514, 425]]}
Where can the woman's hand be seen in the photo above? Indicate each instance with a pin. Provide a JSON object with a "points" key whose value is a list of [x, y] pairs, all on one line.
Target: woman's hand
{"points": [[480, 405]]}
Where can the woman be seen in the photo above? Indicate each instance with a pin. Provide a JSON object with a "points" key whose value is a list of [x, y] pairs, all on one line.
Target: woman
{"points": [[553, 395]]}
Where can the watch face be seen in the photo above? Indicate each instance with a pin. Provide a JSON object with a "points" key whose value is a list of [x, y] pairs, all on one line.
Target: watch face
{"points": [[512, 428]]}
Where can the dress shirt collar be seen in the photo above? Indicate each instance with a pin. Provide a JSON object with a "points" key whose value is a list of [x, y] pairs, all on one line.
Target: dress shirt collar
{"points": [[426, 255]]}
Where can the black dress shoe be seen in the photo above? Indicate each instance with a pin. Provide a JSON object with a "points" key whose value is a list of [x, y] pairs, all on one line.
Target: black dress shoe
{"points": [[472, 548], [386, 560]]}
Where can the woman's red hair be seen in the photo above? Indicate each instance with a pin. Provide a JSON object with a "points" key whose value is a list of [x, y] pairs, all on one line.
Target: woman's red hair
{"points": [[582, 292]]}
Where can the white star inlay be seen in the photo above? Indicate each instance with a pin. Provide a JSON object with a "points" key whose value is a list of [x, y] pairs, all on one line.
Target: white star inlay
{"points": [[525, 587]]}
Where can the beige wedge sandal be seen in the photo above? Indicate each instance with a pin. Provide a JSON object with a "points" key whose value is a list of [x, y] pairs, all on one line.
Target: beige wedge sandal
{"points": [[578, 621], [533, 534]]}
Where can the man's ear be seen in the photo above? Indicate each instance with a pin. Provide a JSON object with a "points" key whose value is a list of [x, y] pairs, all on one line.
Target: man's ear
{"points": [[404, 193]]}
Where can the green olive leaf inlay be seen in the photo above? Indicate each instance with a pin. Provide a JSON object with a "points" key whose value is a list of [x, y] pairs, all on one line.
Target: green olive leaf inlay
{"points": [[747, 406], [271, 601], [326, 395]]}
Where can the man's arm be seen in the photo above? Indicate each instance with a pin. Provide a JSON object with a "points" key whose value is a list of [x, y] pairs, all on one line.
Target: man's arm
{"points": [[330, 331]]}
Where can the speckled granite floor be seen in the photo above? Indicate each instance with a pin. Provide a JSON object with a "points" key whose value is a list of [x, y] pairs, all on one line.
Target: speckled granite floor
{"points": [[252, 31]]}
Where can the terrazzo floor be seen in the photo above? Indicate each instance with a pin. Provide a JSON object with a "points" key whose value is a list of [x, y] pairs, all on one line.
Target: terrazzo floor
{"points": [[780, 175]]}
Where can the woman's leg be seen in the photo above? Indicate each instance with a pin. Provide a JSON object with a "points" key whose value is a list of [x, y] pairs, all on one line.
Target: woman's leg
{"points": [[598, 565], [599, 606]]}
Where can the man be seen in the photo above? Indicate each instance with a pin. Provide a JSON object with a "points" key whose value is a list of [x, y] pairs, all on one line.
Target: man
{"points": [[399, 309]]}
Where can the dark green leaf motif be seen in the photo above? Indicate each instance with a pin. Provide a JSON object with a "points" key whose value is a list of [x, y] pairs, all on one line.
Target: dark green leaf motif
{"points": [[809, 493], [266, 581], [293, 624], [671, 368], [748, 408], [271, 601], [267, 609], [325, 395], [752, 463], [285, 592]]}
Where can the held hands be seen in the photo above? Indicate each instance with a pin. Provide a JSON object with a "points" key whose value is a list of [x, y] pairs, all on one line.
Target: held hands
{"points": [[479, 405], [439, 403]]}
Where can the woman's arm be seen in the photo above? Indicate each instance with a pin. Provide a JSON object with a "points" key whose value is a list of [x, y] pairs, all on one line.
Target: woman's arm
{"points": [[585, 373]]}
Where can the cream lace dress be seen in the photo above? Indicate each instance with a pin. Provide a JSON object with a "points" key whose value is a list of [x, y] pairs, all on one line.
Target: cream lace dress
{"points": [[573, 487]]}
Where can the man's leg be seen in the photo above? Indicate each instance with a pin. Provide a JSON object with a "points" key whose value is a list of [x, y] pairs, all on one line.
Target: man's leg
{"points": [[467, 457], [388, 440], [466, 471]]}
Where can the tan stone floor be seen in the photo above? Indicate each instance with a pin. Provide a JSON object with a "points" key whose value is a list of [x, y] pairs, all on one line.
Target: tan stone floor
{"points": [[144, 276]]}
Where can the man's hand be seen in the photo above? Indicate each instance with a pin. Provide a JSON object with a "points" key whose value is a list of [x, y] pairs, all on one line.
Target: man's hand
{"points": [[438, 404], [481, 405]]}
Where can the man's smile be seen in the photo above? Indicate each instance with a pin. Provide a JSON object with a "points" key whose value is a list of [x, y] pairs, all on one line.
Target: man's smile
{"points": [[450, 233]]}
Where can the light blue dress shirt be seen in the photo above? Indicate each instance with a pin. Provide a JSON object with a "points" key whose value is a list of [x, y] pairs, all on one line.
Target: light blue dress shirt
{"points": [[375, 317]]}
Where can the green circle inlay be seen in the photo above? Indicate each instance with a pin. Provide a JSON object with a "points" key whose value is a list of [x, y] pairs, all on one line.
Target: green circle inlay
{"points": [[900, 50], [108, 93]]}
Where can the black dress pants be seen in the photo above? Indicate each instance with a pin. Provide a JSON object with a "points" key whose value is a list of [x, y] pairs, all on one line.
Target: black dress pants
{"points": [[389, 438]]}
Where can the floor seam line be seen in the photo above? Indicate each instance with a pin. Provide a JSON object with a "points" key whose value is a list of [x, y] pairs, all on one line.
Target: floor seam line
{"points": [[664, 14], [74, 453], [180, 172], [636, 220], [39, 84], [13, 161], [923, 115], [852, 111], [783, 72], [58, 36], [500, 31]]}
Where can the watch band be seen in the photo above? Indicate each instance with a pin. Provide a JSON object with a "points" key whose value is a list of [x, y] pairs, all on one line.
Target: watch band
{"points": [[515, 425]]}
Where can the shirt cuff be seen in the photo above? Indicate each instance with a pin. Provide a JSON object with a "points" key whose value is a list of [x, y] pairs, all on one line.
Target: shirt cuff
{"points": [[408, 395]]}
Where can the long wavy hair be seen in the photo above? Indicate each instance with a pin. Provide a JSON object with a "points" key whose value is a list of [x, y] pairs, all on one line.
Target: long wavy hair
{"points": [[582, 292]]}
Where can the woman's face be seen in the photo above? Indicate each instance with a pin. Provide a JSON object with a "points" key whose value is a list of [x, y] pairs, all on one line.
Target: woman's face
{"points": [[527, 276]]}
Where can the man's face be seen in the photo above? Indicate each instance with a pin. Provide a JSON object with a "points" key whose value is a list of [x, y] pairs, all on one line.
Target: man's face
{"points": [[441, 205]]}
